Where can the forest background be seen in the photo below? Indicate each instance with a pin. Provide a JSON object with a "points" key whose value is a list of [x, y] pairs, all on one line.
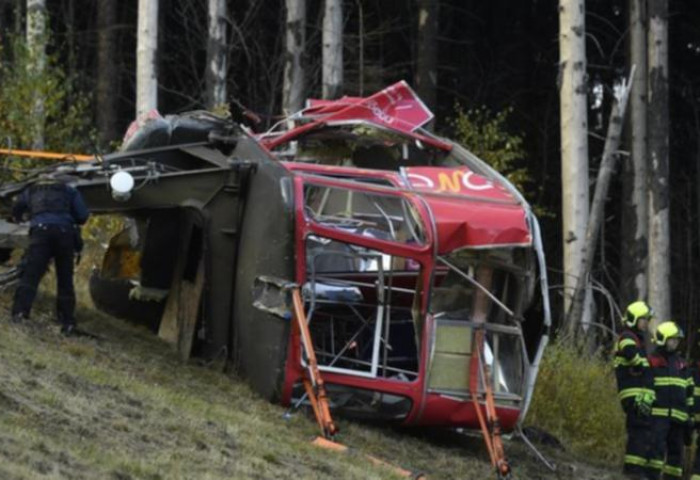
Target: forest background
{"points": [[495, 80], [495, 85]]}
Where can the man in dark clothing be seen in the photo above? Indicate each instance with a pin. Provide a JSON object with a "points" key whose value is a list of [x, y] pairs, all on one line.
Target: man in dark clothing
{"points": [[635, 386], [55, 212], [695, 371], [671, 414]]}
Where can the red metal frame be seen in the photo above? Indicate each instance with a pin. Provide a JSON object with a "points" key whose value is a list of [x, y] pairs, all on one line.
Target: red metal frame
{"points": [[505, 224]]}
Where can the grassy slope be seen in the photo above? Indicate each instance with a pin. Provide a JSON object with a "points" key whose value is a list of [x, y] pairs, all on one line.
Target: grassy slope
{"points": [[123, 406]]}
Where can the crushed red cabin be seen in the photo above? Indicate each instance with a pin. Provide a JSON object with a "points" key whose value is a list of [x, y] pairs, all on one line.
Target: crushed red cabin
{"points": [[417, 265]]}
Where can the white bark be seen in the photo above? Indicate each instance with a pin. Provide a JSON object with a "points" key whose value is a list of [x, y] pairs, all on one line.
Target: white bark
{"points": [[293, 88], [216, 54], [635, 235], [36, 46], [332, 69], [658, 143], [597, 214], [146, 49], [574, 141]]}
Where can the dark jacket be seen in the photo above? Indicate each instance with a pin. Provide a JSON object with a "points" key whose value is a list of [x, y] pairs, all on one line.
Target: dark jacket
{"points": [[632, 368], [695, 373], [673, 384], [51, 203]]}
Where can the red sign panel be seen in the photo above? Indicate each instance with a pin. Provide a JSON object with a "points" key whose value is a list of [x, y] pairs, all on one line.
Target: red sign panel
{"points": [[396, 106]]}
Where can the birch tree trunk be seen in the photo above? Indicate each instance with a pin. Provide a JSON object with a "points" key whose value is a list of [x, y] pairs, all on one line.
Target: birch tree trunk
{"points": [[293, 87], [605, 173], [426, 63], [36, 46], [107, 73], [216, 54], [574, 143], [636, 203], [332, 70], [658, 144], [146, 49]]}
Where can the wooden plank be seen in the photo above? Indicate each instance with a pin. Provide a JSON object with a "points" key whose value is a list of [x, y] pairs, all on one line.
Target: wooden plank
{"points": [[168, 329], [190, 300]]}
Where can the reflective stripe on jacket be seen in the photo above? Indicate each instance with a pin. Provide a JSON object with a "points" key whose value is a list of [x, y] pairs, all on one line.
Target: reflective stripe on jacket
{"points": [[695, 373], [674, 386], [631, 368]]}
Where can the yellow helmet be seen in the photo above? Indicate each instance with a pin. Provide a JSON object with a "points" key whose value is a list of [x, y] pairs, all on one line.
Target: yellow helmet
{"points": [[637, 310], [667, 330]]}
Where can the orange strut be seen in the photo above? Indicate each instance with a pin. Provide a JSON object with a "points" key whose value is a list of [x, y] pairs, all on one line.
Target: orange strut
{"points": [[46, 155], [315, 388], [490, 426]]}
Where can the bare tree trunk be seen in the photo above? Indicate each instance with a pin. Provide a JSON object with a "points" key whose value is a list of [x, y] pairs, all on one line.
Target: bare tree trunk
{"points": [[636, 204], [332, 70], [69, 21], [19, 4], [293, 87], [595, 221], [216, 54], [574, 142], [361, 48], [426, 63], [107, 72], [146, 49], [658, 114], [36, 45]]}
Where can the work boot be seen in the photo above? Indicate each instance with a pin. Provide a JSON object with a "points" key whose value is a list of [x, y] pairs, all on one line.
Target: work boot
{"points": [[18, 318]]}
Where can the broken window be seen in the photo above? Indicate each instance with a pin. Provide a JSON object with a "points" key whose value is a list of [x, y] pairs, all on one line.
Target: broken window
{"points": [[453, 359], [361, 305], [474, 290], [384, 217], [492, 285], [503, 352]]}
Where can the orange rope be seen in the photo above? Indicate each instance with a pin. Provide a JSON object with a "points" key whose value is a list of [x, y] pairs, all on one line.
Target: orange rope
{"points": [[46, 155]]}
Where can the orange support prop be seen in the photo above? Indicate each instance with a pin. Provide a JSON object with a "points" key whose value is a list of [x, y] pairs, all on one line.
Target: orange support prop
{"points": [[490, 425], [315, 388], [47, 155], [316, 391]]}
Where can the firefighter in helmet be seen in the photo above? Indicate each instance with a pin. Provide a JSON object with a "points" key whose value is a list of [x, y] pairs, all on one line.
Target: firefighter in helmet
{"points": [[695, 372], [635, 389], [671, 413]]}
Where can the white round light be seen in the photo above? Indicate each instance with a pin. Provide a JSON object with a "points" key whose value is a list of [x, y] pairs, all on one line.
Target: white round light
{"points": [[121, 184]]}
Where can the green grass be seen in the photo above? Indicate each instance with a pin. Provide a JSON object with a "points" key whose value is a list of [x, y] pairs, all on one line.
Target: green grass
{"points": [[124, 406], [576, 400]]}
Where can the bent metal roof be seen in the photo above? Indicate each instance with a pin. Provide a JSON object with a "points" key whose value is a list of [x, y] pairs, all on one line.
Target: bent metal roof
{"points": [[471, 205]]}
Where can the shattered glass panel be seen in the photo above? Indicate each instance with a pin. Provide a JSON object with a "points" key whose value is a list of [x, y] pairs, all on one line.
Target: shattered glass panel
{"points": [[492, 285], [360, 309], [507, 371], [385, 217]]}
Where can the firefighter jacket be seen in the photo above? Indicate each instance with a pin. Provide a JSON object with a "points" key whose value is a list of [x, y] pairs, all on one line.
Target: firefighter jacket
{"points": [[632, 368], [695, 372], [674, 386]]}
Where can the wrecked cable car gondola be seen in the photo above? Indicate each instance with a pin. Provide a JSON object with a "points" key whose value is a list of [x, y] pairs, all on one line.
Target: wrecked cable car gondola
{"points": [[346, 258]]}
